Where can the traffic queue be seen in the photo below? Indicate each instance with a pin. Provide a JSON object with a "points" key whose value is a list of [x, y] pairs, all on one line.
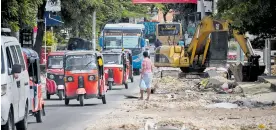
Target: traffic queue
{"points": [[71, 75]]}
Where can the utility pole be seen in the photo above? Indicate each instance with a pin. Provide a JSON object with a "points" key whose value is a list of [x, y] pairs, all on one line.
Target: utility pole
{"points": [[94, 31], [202, 9]]}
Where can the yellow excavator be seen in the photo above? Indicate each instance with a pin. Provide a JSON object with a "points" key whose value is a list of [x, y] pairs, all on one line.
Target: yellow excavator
{"points": [[209, 48]]}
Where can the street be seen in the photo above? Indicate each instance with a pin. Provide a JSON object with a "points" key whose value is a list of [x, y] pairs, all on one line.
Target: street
{"points": [[74, 117]]}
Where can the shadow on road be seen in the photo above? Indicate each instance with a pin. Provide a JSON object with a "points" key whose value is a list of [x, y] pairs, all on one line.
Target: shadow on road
{"points": [[70, 105], [53, 99], [32, 122], [116, 89]]}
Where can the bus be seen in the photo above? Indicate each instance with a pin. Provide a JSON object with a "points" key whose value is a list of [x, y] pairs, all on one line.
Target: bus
{"points": [[169, 33], [127, 36]]}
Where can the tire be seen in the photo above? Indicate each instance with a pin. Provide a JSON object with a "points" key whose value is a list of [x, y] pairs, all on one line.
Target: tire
{"points": [[23, 124], [81, 98], [60, 94], [184, 69], [126, 86], [48, 95], [110, 85], [38, 116], [103, 99], [131, 79], [66, 101], [10, 123]]}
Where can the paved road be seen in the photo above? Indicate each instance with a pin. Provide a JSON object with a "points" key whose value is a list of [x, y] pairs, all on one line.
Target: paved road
{"points": [[74, 117]]}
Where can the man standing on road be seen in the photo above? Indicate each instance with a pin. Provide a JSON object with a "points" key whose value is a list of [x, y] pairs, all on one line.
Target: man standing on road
{"points": [[157, 43]]}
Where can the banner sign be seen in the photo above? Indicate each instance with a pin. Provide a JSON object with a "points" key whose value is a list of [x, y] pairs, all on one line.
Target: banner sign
{"points": [[163, 1]]}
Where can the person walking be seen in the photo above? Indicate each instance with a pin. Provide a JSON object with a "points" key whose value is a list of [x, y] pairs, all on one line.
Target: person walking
{"points": [[146, 75]]}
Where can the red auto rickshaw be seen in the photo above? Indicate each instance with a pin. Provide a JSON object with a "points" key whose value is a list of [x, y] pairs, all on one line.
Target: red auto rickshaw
{"points": [[115, 68], [55, 74], [36, 99], [84, 76], [129, 64]]}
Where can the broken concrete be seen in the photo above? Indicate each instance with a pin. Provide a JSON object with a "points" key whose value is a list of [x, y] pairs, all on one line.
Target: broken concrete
{"points": [[254, 88]]}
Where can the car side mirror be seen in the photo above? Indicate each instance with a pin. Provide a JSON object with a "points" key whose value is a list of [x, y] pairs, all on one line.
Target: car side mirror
{"points": [[16, 68]]}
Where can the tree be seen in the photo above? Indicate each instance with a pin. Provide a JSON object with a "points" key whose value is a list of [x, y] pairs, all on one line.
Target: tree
{"points": [[253, 16]]}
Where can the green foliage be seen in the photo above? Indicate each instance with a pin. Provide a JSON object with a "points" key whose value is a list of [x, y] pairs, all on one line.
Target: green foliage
{"points": [[255, 16], [50, 39], [19, 13], [78, 14]]}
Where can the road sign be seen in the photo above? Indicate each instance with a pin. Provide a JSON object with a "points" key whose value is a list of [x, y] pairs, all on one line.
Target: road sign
{"points": [[52, 20], [53, 5]]}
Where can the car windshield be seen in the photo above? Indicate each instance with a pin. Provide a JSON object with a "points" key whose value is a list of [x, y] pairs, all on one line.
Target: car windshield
{"points": [[2, 62], [80, 62], [112, 58], [55, 62]]}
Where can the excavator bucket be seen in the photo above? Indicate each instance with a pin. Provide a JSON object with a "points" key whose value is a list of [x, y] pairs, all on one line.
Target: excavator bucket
{"points": [[249, 71]]}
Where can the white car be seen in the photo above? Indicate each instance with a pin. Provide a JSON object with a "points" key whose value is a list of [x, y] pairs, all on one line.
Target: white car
{"points": [[14, 86]]}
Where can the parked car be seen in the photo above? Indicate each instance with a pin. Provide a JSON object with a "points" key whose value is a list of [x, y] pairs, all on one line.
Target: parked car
{"points": [[14, 86]]}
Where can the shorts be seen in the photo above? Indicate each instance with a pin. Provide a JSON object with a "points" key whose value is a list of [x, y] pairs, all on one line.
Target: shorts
{"points": [[147, 77]]}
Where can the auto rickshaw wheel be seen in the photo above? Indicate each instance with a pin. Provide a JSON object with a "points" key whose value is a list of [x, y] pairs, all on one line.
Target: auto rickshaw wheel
{"points": [[38, 116], [60, 94], [81, 98], [126, 86], [103, 99], [66, 101], [48, 95], [110, 85]]}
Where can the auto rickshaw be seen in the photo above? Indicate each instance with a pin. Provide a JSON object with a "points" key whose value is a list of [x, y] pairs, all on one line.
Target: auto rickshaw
{"points": [[36, 99], [84, 76], [55, 74], [129, 63], [115, 67]]}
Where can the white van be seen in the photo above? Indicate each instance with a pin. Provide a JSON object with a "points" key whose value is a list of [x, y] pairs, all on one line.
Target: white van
{"points": [[14, 86]]}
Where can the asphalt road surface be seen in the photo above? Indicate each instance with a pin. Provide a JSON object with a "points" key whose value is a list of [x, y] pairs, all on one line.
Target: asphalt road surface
{"points": [[74, 117]]}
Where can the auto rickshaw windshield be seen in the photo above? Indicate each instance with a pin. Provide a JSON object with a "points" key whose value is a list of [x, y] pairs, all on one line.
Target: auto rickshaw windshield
{"points": [[80, 62], [112, 58], [55, 62]]}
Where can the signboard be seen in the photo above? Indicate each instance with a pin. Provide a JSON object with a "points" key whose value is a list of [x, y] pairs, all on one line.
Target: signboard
{"points": [[53, 5], [52, 20], [120, 34], [163, 1]]}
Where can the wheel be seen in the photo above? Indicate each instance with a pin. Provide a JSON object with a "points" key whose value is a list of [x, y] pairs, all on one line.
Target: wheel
{"points": [[184, 69], [131, 79], [10, 123], [60, 94], [103, 99], [126, 86], [81, 98], [66, 101], [38, 116], [110, 85], [48, 95], [23, 124]]}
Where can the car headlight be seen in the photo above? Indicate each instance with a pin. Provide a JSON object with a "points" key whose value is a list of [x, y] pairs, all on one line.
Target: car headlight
{"points": [[91, 77], [70, 78], [51, 76], [3, 89]]}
